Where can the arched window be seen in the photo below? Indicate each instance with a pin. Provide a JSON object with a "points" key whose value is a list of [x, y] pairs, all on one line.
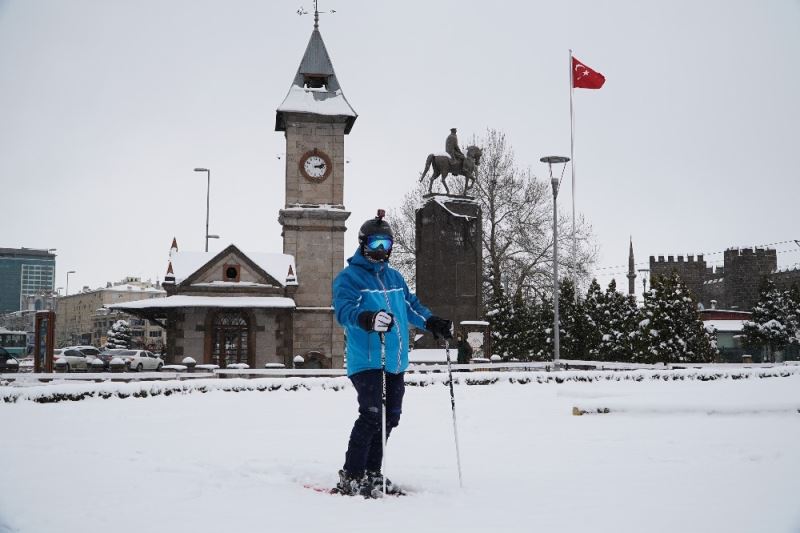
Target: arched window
{"points": [[229, 338]]}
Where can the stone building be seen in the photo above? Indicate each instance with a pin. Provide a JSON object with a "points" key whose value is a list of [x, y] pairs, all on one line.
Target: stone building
{"points": [[735, 285], [76, 314], [224, 308], [25, 318], [239, 306]]}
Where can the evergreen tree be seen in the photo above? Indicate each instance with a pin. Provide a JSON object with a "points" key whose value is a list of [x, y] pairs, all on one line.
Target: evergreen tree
{"points": [[620, 330], [501, 324], [595, 321], [541, 334], [671, 329], [119, 336], [522, 328], [572, 322], [774, 323]]}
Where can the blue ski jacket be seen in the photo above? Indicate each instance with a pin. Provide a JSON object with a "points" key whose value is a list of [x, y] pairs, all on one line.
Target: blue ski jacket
{"points": [[366, 286]]}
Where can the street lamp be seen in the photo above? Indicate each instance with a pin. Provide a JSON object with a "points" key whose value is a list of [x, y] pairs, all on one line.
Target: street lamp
{"points": [[208, 201], [644, 279], [66, 293], [555, 181], [66, 312]]}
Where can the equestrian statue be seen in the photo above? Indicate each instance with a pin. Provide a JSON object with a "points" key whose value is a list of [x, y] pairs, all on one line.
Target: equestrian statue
{"points": [[453, 162]]}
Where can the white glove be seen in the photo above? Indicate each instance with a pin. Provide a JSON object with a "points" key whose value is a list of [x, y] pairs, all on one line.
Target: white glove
{"points": [[382, 322]]}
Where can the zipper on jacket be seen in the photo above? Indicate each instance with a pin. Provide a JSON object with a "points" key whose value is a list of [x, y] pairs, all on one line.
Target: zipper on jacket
{"points": [[389, 307]]}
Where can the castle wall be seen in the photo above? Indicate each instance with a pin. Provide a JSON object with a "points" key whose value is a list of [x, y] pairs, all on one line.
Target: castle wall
{"points": [[745, 270], [786, 279], [690, 269], [735, 285]]}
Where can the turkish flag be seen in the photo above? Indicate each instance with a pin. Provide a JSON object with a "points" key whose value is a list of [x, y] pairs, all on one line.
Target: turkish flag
{"points": [[585, 78]]}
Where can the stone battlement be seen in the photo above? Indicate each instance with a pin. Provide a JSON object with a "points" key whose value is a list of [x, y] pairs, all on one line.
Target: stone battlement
{"points": [[671, 259], [750, 253]]}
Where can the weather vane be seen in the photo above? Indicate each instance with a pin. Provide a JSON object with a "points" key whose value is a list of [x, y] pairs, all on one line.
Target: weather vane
{"points": [[302, 11]]}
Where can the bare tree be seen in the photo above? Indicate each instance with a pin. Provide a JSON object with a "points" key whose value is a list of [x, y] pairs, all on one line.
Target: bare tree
{"points": [[402, 219], [517, 227]]}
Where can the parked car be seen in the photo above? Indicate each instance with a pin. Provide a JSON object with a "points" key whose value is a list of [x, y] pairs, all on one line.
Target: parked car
{"points": [[134, 359], [75, 359], [5, 357], [110, 353], [90, 352]]}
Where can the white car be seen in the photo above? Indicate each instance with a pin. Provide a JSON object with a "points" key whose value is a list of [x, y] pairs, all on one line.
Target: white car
{"points": [[75, 359], [140, 360], [90, 352]]}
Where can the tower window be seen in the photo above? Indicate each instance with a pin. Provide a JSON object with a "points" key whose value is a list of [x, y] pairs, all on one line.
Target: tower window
{"points": [[315, 81], [231, 272]]}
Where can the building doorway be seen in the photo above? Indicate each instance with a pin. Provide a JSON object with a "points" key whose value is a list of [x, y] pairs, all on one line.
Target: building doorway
{"points": [[229, 338]]}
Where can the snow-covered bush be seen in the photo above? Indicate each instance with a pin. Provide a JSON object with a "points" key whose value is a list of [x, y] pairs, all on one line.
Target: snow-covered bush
{"points": [[119, 336]]}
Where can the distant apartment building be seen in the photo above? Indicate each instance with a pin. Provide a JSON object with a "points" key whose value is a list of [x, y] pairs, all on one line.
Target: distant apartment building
{"points": [[24, 272], [25, 318], [82, 318]]}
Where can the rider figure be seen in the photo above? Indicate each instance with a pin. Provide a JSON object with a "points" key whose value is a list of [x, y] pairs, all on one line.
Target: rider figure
{"points": [[452, 149]]}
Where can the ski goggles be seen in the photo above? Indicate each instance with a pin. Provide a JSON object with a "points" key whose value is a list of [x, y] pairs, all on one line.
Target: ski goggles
{"points": [[376, 242]]}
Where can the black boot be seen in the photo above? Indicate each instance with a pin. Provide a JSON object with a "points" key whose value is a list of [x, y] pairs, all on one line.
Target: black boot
{"points": [[375, 480], [350, 485]]}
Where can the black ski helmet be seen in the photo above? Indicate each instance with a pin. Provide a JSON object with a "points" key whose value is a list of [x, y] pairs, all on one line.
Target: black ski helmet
{"points": [[375, 226]]}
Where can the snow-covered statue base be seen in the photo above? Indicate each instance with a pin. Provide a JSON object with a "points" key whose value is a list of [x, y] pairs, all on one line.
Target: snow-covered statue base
{"points": [[449, 258]]}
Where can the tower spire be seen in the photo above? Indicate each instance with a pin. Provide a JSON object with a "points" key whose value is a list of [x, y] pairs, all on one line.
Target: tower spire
{"points": [[316, 15], [631, 270]]}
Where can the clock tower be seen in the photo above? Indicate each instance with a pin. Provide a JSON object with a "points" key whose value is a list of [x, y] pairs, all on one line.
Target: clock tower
{"points": [[315, 116]]}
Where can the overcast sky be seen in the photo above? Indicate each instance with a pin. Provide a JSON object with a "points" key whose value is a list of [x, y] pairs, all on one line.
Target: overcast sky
{"points": [[106, 106]]}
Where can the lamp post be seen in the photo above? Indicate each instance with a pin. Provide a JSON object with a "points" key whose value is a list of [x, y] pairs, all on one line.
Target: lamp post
{"points": [[644, 280], [208, 202], [555, 181], [66, 312]]}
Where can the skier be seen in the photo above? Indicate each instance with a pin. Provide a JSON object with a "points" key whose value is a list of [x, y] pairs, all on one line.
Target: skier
{"points": [[372, 302]]}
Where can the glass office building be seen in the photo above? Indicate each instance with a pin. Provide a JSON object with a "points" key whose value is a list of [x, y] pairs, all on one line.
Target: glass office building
{"points": [[24, 272]]}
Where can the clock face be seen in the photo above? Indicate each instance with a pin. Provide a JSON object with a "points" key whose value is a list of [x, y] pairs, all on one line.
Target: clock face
{"points": [[315, 166]]}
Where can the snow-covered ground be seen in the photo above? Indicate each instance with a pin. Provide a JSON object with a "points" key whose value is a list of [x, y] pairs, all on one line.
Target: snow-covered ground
{"points": [[669, 456]]}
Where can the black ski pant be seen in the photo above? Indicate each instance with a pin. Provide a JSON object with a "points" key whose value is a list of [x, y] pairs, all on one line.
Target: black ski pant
{"points": [[364, 451]]}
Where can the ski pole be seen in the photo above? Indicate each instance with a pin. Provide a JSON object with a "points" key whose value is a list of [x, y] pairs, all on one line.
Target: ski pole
{"points": [[453, 405], [383, 409]]}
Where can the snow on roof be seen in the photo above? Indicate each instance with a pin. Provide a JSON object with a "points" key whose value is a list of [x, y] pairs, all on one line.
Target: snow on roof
{"points": [[7, 331], [319, 102], [184, 264], [127, 287], [313, 207], [474, 323], [303, 97], [724, 325], [170, 302]]}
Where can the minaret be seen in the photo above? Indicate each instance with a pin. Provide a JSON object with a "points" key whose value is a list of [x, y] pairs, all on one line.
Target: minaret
{"points": [[631, 271], [315, 116]]}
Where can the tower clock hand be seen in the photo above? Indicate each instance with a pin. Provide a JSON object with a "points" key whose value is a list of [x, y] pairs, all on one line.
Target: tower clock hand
{"points": [[321, 165]]}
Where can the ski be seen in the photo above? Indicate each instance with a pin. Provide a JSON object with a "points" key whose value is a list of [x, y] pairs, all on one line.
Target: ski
{"points": [[376, 493]]}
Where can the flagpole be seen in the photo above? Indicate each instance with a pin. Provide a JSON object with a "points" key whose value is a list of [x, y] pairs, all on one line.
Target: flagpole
{"points": [[572, 159]]}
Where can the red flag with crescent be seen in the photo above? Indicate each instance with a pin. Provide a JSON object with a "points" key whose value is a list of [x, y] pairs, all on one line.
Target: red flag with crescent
{"points": [[585, 78]]}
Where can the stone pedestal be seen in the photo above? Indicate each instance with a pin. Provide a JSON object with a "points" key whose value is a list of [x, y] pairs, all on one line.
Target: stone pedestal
{"points": [[449, 259]]}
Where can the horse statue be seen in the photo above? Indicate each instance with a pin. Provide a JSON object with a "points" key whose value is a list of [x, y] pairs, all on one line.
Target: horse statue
{"points": [[443, 165]]}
